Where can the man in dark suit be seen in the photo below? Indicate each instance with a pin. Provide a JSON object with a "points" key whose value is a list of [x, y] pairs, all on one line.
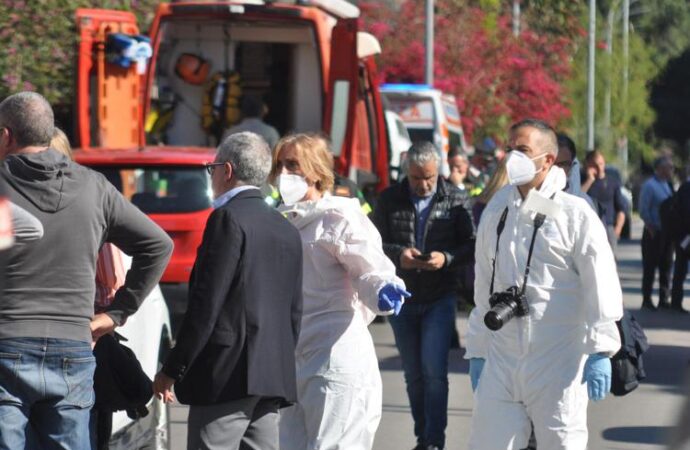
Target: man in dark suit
{"points": [[233, 362]]}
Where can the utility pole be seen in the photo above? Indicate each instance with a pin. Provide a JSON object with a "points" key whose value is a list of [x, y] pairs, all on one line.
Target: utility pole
{"points": [[626, 62], [609, 56], [516, 18], [590, 74], [429, 38]]}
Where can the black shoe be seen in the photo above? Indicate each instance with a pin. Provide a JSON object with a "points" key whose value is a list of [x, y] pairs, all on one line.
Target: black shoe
{"points": [[647, 304], [679, 309]]}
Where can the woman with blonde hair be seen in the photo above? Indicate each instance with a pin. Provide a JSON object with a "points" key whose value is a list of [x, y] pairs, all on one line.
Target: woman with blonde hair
{"points": [[347, 280], [60, 143]]}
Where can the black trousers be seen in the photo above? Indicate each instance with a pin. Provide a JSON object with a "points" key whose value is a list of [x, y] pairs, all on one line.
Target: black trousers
{"points": [[657, 253], [680, 270]]}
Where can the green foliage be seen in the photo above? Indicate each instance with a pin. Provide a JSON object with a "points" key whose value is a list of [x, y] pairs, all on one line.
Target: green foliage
{"points": [[658, 32], [492, 9], [557, 17], [634, 121], [640, 114], [38, 41], [663, 25]]}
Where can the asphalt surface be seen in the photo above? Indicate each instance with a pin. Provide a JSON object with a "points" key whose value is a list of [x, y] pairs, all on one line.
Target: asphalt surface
{"points": [[641, 420]]}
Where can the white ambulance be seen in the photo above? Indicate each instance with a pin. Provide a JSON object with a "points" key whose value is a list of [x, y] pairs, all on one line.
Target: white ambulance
{"points": [[429, 115]]}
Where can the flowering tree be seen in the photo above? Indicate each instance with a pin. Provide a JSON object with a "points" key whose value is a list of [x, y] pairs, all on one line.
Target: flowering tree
{"points": [[38, 43], [496, 78]]}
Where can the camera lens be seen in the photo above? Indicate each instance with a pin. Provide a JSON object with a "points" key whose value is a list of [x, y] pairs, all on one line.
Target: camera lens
{"points": [[493, 321], [499, 315]]}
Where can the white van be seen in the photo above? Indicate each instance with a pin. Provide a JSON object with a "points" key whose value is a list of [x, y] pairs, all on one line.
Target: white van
{"points": [[148, 334], [429, 115]]}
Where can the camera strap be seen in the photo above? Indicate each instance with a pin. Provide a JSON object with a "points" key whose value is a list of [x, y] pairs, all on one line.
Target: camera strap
{"points": [[499, 230], [538, 222]]}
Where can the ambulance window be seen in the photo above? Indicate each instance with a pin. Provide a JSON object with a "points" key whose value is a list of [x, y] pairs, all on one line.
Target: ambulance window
{"points": [[165, 189], [341, 95], [451, 111], [454, 140], [421, 134]]}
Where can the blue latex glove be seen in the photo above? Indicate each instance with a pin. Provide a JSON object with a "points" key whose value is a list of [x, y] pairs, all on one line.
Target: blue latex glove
{"points": [[391, 297], [476, 367], [597, 374]]}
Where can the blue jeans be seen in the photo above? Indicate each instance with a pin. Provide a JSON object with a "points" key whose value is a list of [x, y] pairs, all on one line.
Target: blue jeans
{"points": [[49, 384], [423, 334]]}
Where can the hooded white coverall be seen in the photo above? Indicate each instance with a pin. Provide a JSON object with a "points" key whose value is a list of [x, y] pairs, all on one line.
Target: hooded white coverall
{"points": [[534, 364], [338, 379]]}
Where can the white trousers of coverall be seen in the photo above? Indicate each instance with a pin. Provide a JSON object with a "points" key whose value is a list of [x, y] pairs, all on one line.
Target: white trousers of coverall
{"points": [[513, 391], [339, 398]]}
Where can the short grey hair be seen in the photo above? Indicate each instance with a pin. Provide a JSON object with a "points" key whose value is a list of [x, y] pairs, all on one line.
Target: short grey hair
{"points": [[249, 155], [29, 117], [550, 140], [422, 153]]}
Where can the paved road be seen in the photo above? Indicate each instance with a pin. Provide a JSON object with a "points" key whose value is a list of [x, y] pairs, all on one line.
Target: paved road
{"points": [[638, 421]]}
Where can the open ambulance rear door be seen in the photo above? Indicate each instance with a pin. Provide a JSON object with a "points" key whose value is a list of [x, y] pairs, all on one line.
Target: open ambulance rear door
{"points": [[354, 115]]}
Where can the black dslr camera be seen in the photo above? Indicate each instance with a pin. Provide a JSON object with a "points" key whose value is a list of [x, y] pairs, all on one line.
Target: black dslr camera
{"points": [[504, 306]]}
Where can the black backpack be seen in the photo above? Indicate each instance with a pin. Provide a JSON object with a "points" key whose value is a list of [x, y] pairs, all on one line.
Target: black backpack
{"points": [[627, 369]]}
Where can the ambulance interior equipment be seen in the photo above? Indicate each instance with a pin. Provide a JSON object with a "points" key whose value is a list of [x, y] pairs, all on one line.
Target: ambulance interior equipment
{"points": [[276, 61]]}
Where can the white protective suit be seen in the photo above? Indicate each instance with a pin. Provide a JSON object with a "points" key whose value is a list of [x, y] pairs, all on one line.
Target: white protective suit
{"points": [[338, 379], [534, 364]]}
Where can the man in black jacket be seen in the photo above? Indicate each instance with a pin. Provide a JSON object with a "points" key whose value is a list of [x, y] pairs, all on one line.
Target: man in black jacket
{"points": [[682, 244], [234, 359], [428, 234]]}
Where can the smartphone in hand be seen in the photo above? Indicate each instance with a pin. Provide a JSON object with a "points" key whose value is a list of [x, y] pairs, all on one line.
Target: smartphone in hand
{"points": [[423, 257]]}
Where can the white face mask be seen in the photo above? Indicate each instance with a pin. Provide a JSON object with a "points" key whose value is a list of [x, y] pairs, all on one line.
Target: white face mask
{"points": [[520, 167], [292, 188]]}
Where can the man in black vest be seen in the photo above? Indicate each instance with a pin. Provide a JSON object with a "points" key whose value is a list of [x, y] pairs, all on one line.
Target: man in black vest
{"points": [[234, 359], [428, 234]]}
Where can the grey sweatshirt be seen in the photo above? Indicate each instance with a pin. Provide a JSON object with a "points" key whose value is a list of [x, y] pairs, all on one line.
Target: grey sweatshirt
{"points": [[50, 282]]}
